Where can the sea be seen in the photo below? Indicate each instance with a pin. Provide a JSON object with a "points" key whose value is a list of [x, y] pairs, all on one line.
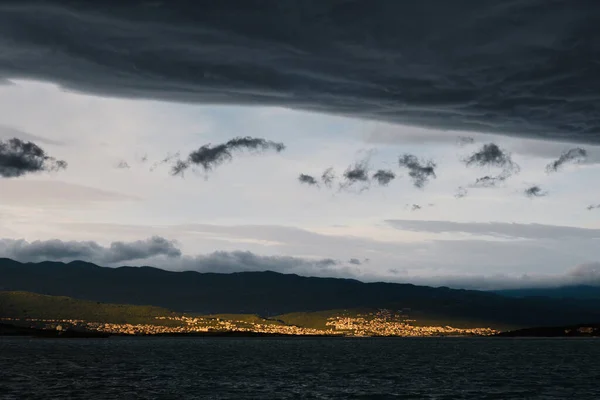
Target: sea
{"points": [[299, 368]]}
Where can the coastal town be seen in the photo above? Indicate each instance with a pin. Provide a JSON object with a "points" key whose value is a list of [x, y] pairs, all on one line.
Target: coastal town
{"points": [[372, 324]]}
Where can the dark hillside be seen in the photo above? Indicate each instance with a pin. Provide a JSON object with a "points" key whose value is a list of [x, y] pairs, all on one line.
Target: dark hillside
{"points": [[270, 293]]}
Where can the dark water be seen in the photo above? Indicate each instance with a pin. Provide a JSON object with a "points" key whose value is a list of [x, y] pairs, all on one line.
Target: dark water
{"points": [[197, 368]]}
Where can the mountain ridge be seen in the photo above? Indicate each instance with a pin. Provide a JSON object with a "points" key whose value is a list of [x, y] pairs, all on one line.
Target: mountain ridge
{"points": [[272, 293]]}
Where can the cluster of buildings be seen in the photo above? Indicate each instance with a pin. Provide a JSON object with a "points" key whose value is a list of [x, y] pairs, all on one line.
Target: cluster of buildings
{"points": [[381, 323], [199, 324], [385, 323]]}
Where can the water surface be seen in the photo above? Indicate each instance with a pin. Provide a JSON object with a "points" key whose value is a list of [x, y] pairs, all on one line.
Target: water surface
{"points": [[284, 368]]}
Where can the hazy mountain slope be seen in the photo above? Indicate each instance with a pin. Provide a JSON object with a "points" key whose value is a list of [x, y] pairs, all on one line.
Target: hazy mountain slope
{"points": [[563, 292]]}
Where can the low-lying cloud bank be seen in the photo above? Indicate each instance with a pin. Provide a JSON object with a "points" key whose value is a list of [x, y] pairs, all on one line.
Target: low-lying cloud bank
{"points": [[162, 253], [116, 252], [582, 274]]}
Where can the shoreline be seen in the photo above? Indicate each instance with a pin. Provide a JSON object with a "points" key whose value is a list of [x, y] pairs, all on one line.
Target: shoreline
{"points": [[578, 331]]}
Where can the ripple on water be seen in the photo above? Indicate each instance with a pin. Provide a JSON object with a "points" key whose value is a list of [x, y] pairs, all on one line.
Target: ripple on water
{"points": [[283, 368]]}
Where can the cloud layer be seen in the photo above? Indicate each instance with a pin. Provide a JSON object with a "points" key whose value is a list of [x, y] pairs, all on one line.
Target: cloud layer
{"points": [[526, 68], [499, 229]]}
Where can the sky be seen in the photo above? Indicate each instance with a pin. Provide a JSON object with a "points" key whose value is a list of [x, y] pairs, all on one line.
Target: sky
{"points": [[252, 213], [480, 119]]}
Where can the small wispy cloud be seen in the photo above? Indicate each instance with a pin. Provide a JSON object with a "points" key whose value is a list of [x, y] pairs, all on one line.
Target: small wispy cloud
{"points": [[419, 170], [355, 174], [465, 140], [168, 158], [123, 165], [535, 191], [359, 172], [308, 180], [18, 158], [250, 143], [209, 157], [576, 155], [488, 181], [328, 177], [490, 155], [461, 192], [384, 177]]}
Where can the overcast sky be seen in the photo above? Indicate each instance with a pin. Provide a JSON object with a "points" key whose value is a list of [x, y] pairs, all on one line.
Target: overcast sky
{"points": [[253, 206]]}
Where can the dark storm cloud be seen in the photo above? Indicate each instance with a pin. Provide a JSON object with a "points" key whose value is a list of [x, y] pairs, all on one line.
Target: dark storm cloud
{"points": [[328, 176], [209, 157], [523, 68], [420, 171], [117, 252], [535, 191], [384, 177], [576, 155], [308, 179], [18, 158]]}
